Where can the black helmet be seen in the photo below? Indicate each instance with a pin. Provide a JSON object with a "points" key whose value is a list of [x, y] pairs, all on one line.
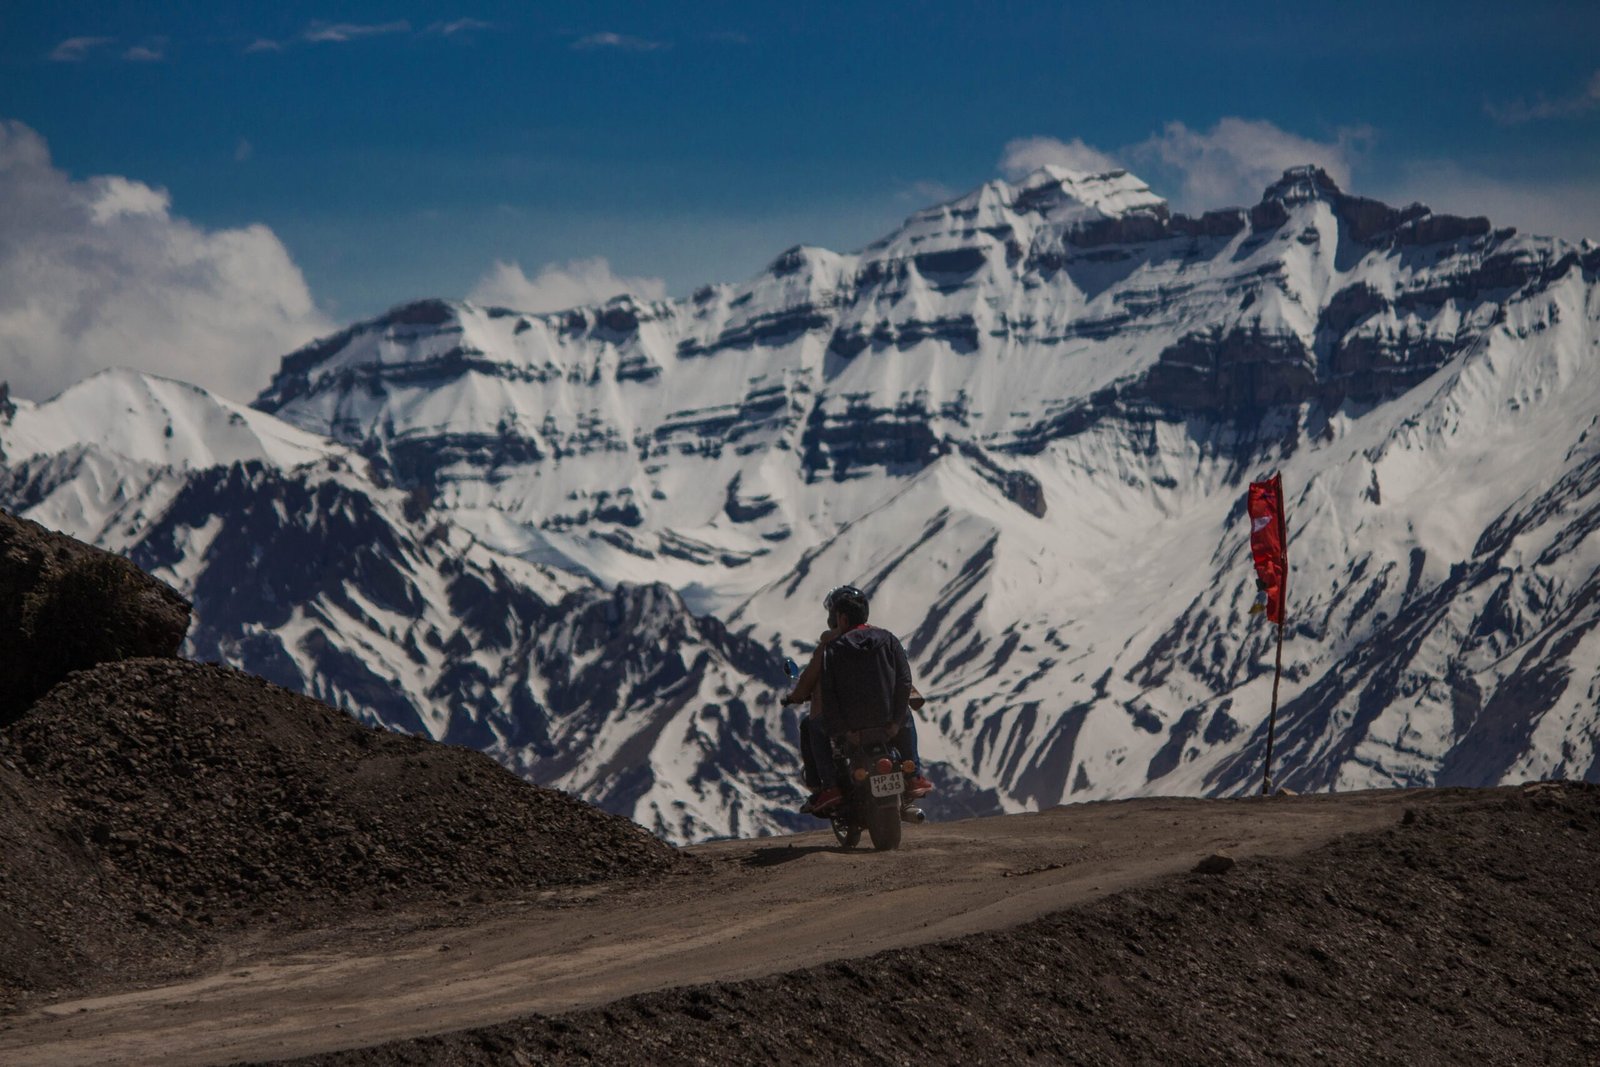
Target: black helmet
{"points": [[848, 601]]}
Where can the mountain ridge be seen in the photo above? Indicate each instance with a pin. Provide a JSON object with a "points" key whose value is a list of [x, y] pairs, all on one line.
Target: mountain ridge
{"points": [[1025, 432]]}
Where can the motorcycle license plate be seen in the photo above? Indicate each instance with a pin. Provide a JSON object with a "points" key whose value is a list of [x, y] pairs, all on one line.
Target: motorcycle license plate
{"points": [[887, 785]]}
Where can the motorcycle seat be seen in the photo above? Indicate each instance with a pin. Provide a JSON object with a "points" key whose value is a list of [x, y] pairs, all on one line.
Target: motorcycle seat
{"points": [[872, 735]]}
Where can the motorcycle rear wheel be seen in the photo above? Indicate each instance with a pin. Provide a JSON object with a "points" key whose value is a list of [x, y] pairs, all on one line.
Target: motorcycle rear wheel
{"points": [[884, 826]]}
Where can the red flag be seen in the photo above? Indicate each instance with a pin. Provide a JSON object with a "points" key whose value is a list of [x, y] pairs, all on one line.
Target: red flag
{"points": [[1269, 543]]}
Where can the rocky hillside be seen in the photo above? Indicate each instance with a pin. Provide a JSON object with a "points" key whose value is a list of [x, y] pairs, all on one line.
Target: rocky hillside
{"points": [[154, 802], [158, 802], [68, 606]]}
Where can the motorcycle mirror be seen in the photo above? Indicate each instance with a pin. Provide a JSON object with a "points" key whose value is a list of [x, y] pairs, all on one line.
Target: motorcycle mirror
{"points": [[789, 668]]}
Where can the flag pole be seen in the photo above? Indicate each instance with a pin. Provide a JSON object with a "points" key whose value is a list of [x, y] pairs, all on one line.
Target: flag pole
{"points": [[1272, 718]]}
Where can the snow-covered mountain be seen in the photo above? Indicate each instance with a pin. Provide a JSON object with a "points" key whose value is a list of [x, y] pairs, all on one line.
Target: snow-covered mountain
{"points": [[1023, 422]]}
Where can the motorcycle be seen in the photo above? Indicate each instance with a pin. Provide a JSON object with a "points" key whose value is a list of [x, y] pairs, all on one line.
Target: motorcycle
{"points": [[873, 779]]}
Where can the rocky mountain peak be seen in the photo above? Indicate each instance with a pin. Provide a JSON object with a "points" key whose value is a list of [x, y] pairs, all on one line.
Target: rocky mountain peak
{"points": [[1301, 184], [1056, 191], [430, 312], [1049, 207], [1365, 220]]}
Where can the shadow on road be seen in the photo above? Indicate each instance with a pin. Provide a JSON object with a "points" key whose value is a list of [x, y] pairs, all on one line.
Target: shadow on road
{"points": [[773, 855]]}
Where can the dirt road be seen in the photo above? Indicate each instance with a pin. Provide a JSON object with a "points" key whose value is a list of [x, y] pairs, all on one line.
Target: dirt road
{"points": [[749, 908]]}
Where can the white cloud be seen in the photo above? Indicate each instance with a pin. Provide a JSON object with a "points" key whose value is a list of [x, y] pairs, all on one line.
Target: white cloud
{"points": [[557, 287], [1238, 158], [620, 41], [75, 49], [1025, 155], [117, 198], [450, 29], [341, 32], [319, 32], [99, 273], [139, 53], [243, 150], [1567, 209], [1519, 111]]}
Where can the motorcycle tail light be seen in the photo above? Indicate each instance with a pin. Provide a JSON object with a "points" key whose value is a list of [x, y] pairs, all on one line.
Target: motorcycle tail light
{"points": [[908, 766], [884, 766], [859, 774]]}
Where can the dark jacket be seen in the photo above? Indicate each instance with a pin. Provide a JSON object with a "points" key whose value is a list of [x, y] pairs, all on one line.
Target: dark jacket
{"points": [[866, 681]]}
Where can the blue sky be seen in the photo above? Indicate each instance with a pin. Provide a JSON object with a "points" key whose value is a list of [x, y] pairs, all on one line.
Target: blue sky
{"points": [[398, 150]]}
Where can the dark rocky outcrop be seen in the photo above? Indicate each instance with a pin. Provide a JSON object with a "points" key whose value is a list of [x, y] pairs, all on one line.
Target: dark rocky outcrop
{"points": [[1231, 372], [418, 461], [741, 509], [774, 328], [1238, 372], [1136, 226], [1224, 223], [1216, 863], [706, 431], [1437, 229], [431, 312], [839, 444], [1350, 307], [960, 332], [65, 606], [1019, 487], [955, 261]]}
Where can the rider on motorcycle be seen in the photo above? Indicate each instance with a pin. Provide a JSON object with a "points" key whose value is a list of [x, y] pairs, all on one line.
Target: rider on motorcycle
{"points": [[858, 677]]}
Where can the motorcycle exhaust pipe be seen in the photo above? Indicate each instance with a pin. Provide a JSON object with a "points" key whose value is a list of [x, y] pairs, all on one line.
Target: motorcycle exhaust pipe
{"points": [[912, 814]]}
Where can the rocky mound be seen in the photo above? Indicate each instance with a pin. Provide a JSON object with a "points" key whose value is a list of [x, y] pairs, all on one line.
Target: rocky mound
{"points": [[1464, 935], [65, 606], [158, 800]]}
